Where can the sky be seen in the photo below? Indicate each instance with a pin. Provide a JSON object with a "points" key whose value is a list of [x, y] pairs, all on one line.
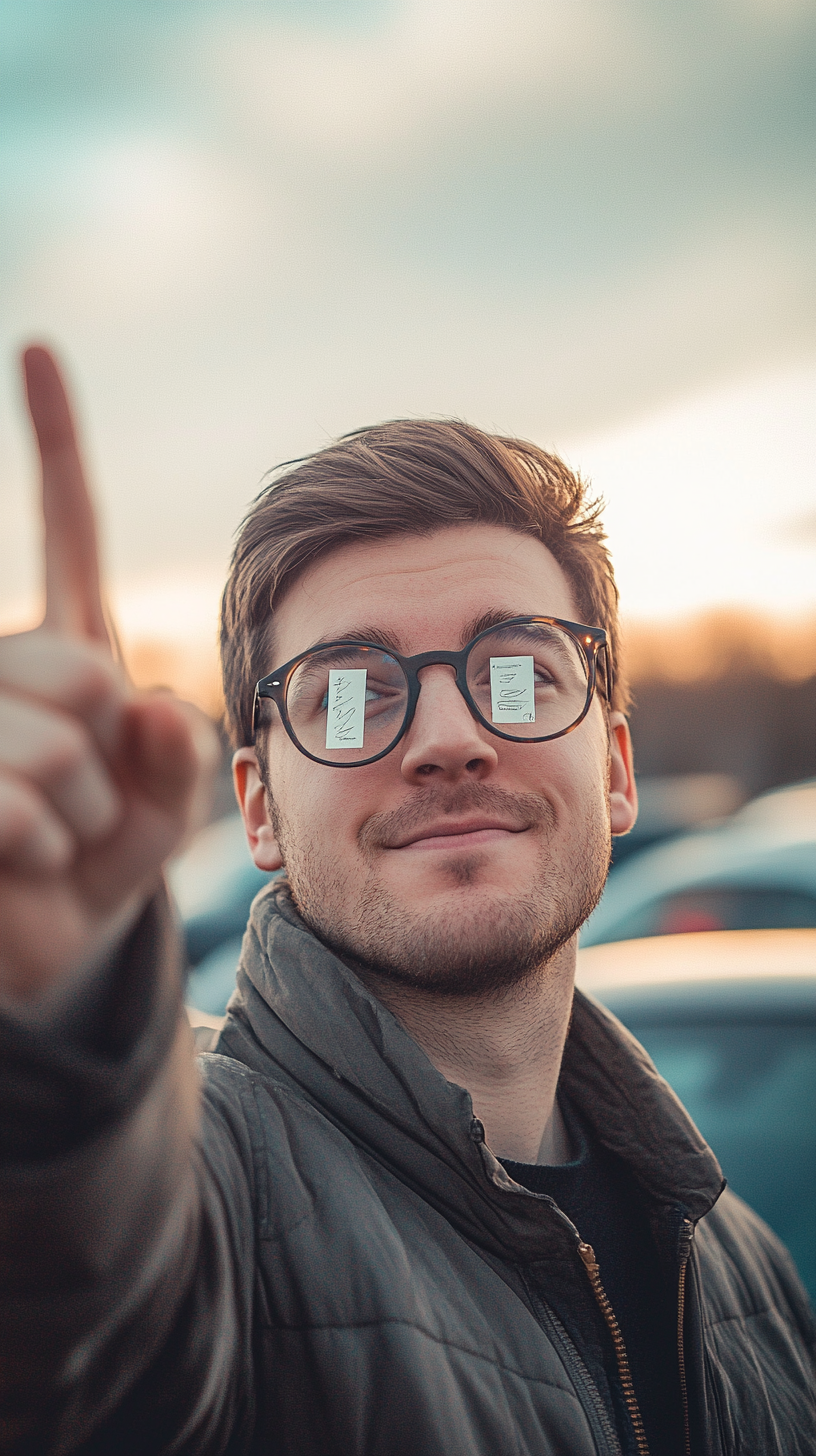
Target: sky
{"points": [[250, 225]]}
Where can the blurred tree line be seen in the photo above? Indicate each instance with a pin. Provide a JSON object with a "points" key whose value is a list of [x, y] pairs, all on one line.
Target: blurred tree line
{"points": [[758, 729], [728, 693]]}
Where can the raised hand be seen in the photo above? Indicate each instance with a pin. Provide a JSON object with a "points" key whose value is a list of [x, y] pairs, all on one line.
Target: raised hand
{"points": [[98, 784]]}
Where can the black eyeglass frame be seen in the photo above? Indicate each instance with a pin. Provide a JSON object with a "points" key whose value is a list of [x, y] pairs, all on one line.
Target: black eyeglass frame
{"points": [[591, 641]]}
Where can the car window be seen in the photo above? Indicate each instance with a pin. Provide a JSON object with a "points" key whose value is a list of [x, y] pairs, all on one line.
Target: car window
{"points": [[751, 908]]}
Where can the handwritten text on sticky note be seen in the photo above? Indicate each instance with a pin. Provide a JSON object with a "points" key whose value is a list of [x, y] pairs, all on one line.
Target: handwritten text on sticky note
{"points": [[345, 717], [512, 690]]}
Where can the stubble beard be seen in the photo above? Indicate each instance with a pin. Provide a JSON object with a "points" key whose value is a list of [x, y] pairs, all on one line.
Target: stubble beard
{"points": [[474, 944]]}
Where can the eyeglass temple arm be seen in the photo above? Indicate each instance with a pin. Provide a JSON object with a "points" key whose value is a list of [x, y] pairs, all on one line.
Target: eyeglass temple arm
{"points": [[608, 671]]}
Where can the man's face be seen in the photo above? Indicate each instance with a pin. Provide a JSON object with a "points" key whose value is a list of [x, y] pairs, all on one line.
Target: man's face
{"points": [[459, 861]]}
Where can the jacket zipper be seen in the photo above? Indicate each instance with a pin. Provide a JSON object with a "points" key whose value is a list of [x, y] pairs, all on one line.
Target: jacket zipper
{"points": [[686, 1238], [592, 1402], [590, 1263]]}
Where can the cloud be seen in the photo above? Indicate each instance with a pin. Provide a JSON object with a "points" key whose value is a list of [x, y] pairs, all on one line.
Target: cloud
{"points": [[800, 530], [152, 223], [432, 66], [700, 497]]}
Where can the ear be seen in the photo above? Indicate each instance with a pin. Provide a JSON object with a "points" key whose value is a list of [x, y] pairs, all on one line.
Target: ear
{"points": [[251, 796], [623, 801]]}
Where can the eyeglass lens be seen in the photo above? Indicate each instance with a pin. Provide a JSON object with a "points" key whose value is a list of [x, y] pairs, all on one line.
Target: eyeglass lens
{"points": [[347, 704]]}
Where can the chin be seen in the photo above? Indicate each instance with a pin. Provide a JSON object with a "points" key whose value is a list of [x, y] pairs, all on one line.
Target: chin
{"points": [[470, 870], [469, 923], [461, 945]]}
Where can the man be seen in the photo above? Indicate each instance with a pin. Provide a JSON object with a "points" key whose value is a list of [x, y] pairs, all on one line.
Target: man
{"points": [[421, 1198]]}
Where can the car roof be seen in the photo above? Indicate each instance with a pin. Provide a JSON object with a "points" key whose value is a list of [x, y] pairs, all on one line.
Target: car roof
{"points": [[721, 955], [790, 805], [721, 977]]}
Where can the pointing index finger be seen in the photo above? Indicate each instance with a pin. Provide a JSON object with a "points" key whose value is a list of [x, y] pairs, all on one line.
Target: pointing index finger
{"points": [[72, 587]]}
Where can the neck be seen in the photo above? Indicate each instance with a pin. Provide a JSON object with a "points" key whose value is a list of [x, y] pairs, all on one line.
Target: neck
{"points": [[505, 1048]]}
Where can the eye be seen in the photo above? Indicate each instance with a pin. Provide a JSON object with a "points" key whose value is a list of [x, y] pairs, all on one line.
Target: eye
{"points": [[382, 696], [375, 693]]}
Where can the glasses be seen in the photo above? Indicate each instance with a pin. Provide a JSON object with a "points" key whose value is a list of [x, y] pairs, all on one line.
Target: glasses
{"points": [[527, 680]]}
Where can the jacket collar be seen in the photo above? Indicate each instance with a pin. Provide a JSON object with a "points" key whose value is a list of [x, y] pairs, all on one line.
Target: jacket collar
{"points": [[301, 1016]]}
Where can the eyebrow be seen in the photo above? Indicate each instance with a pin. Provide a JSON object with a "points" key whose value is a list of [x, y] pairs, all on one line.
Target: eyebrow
{"points": [[391, 643], [387, 640], [495, 618]]}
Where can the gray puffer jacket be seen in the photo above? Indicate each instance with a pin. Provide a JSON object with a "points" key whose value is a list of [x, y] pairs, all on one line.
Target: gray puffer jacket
{"points": [[332, 1262]]}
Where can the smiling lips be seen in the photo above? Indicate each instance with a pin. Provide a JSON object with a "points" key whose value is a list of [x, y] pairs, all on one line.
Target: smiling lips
{"points": [[458, 834]]}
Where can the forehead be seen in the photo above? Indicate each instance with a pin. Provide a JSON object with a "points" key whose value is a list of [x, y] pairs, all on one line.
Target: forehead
{"points": [[417, 586]]}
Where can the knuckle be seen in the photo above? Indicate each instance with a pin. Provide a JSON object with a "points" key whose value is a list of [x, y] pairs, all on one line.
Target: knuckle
{"points": [[31, 837], [20, 813], [63, 752], [82, 675], [78, 676], [93, 686], [97, 675]]}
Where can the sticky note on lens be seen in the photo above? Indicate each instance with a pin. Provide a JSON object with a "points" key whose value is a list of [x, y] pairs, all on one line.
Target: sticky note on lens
{"points": [[345, 713], [512, 690]]}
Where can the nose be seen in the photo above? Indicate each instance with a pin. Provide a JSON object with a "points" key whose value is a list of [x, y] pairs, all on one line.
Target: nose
{"points": [[445, 741]]}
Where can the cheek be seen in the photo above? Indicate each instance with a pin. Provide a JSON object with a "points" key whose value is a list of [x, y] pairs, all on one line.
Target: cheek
{"points": [[573, 769], [320, 807], [339, 803], [592, 783]]}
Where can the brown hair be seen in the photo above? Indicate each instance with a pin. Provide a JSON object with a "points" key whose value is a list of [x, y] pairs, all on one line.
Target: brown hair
{"points": [[412, 477]]}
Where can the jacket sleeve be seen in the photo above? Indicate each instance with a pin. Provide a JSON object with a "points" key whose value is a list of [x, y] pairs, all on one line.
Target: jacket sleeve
{"points": [[125, 1226]]}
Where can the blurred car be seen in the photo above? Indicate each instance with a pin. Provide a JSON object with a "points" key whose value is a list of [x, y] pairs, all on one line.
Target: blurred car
{"points": [[729, 1018], [756, 870], [214, 883], [674, 804]]}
